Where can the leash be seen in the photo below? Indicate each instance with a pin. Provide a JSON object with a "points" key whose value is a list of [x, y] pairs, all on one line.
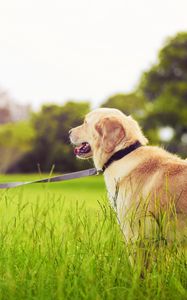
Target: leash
{"points": [[85, 173], [63, 177]]}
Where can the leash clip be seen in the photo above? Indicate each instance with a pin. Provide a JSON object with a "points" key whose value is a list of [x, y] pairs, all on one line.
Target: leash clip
{"points": [[99, 172]]}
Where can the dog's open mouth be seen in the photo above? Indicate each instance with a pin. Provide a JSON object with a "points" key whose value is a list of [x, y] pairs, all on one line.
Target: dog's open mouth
{"points": [[82, 150]]}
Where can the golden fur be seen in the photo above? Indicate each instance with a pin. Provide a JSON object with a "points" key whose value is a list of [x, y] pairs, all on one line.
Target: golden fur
{"points": [[149, 177]]}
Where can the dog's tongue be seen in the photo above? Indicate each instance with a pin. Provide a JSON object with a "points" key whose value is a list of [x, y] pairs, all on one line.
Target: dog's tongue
{"points": [[83, 148], [77, 150]]}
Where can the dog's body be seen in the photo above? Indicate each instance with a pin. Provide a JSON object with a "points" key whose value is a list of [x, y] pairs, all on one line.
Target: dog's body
{"points": [[149, 179]]}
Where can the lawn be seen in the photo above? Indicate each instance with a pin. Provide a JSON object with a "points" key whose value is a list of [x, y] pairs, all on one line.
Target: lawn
{"points": [[62, 241]]}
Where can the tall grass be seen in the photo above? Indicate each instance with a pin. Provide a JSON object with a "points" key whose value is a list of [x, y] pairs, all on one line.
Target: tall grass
{"points": [[49, 250]]}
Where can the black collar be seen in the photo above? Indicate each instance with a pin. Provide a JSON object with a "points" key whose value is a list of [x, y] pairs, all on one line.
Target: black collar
{"points": [[121, 153]]}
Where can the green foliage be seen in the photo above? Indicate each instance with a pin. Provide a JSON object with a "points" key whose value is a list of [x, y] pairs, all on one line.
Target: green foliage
{"points": [[170, 69], [165, 86], [57, 247], [51, 145], [16, 139], [17, 134], [130, 104]]}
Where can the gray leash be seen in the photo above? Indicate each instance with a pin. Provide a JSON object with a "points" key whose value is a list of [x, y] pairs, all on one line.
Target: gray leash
{"points": [[68, 176]]}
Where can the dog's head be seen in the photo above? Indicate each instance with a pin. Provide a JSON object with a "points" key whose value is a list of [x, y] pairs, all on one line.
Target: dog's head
{"points": [[105, 131]]}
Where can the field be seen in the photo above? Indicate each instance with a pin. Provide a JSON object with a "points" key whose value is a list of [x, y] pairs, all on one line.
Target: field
{"points": [[62, 241]]}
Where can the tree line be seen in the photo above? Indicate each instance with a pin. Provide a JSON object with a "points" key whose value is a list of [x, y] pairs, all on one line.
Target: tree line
{"points": [[159, 104]]}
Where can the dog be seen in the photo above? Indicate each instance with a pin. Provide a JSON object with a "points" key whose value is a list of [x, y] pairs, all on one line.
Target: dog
{"points": [[143, 182]]}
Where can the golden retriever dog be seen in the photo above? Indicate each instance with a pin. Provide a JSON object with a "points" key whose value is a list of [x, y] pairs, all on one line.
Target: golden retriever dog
{"points": [[143, 182]]}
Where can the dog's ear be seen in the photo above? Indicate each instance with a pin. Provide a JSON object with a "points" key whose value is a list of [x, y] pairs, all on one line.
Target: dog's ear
{"points": [[111, 132]]}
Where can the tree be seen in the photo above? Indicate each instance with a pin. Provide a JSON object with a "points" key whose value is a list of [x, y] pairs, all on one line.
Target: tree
{"points": [[127, 103], [51, 145], [165, 88], [171, 68]]}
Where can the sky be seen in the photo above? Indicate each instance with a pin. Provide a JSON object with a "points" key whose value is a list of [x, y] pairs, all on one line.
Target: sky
{"points": [[57, 50]]}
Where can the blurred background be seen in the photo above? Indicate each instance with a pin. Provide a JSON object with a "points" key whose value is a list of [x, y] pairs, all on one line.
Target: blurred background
{"points": [[60, 59]]}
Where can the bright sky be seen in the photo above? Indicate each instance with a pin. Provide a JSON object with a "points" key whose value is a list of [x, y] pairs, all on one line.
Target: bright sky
{"points": [[57, 50]]}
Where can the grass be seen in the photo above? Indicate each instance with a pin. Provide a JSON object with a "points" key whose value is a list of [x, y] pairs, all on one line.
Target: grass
{"points": [[62, 241]]}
